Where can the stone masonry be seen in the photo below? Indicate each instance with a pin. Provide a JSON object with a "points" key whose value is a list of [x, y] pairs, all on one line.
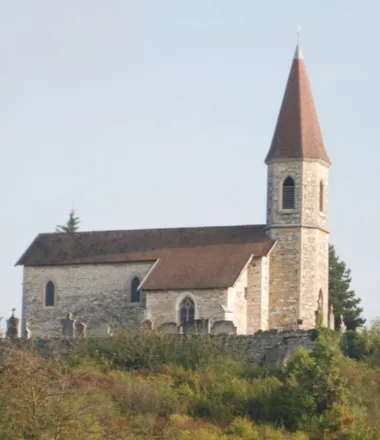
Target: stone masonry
{"points": [[92, 292], [270, 348], [163, 306], [258, 295], [98, 294], [299, 262], [237, 302]]}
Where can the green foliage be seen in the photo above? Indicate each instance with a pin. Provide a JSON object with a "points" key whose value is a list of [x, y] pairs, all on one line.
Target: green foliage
{"points": [[343, 299], [71, 225], [150, 386], [312, 382], [356, 345], [133, 351], [364, 345]]}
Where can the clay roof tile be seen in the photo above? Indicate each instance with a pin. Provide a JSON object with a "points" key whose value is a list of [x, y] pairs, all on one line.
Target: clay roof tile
{"points": [[204, 257], [297, 133]]}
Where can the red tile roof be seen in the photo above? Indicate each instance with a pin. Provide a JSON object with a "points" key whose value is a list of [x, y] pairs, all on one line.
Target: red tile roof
{"points": [[297, 133], [204, 257]]}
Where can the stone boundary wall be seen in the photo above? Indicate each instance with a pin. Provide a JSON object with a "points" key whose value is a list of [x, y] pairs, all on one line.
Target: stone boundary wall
{"points": [[270, 348], [273, 348]]}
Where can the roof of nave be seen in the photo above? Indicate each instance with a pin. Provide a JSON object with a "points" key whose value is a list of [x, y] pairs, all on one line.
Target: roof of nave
{"points": [[199, 257]]}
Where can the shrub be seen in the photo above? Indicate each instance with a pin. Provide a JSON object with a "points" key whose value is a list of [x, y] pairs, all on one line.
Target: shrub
{"points": [[145, 350], [243, 428]]}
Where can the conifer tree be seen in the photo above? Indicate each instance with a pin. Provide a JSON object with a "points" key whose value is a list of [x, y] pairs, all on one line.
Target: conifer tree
{"points": [[342, 297], [71, 225]]}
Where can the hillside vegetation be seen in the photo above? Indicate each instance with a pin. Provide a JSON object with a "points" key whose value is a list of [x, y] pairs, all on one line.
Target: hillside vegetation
{"points": [[141, 387]]}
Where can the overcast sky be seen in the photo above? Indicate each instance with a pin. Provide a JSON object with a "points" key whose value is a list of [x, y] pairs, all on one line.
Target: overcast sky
{"points": [[159, 113]]}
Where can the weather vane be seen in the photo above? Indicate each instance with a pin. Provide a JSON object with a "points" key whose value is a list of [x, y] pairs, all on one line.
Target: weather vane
{"points": [[298, 34]]}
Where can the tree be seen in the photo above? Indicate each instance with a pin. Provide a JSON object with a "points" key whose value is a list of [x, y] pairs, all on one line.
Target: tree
{"points": [[342, 297], [71, 225], [44, 398]]}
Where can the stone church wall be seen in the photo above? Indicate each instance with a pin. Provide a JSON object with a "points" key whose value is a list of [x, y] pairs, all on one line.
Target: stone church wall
{"points": [[299, 262], [277, 173], [90, 292], [163, 306], [314, 275], [237, 302], [258, 295], [100, 293], [314, 243], [284, 278], [284, 287], [313, 174]]}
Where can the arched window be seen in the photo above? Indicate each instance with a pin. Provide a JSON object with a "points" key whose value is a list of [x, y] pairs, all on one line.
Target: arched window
{"points": [[288, 194], [321, 196], [49, 294], [186, 310], [320, 301], [135, 293]]}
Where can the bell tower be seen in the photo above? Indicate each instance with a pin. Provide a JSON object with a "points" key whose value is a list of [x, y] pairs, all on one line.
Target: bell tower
{"points": [[297, 208]]}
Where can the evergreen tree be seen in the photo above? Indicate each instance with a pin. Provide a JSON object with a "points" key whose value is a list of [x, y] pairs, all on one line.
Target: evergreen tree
{"points": [[71, 225], [342, 298]]}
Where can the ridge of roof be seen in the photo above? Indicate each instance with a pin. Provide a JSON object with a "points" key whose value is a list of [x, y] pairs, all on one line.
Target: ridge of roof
{"points": [[57, 248], [180, 228], [196, 258]]}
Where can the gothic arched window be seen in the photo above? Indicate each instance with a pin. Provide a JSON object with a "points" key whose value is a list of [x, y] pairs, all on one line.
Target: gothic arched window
{"points": [[320, 300], [321, 196], [288, 193], [135, 293], [187, 311], [49, 294]]}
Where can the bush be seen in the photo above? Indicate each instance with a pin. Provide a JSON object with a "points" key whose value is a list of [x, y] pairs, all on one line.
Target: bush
{"points": [[356, 345], [162, 387], [133, 351]]}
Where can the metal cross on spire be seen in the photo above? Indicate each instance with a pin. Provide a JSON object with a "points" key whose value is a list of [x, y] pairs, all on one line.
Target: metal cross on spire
{"points": [[298, 52]]}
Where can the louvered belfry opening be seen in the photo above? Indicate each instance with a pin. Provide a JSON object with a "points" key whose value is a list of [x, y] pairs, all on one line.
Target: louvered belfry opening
{"points": [[321, 196], [288, 194]]}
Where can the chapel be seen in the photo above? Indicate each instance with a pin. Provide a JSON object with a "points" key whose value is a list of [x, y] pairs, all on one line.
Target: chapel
{"points": [[219, 279]]}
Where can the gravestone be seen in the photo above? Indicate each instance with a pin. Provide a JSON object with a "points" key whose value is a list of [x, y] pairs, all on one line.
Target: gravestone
{"points": [[343, 327], [68, 326], [169, 328], [81, 330], [147, 325], [226, 327], [27, 332], [12, 325], [101, 330], [188, 327], [202, 325]]}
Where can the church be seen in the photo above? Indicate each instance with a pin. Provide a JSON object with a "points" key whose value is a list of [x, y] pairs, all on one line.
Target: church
{"points": [[234, 279]]}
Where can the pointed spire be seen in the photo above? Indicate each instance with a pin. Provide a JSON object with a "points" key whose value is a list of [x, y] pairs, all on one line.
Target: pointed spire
{"points": [[297, 133]]}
